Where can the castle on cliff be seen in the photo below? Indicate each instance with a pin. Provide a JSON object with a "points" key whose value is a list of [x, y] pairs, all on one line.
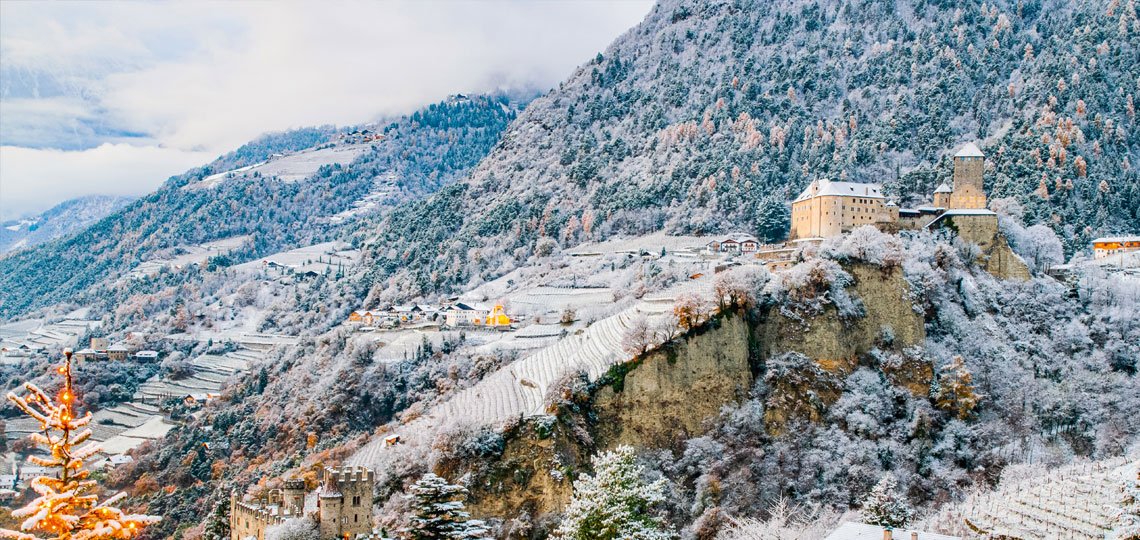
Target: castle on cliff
{"points": [[341, 506]]}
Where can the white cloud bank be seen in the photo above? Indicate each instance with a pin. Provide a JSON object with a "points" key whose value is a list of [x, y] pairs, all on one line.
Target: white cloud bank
{"points": [[199, 80], [109, 169]]}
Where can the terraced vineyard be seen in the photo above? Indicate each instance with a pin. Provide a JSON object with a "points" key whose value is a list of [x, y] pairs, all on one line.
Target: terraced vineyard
{"points": [[210, 374], [1075, 502], [517, 390]]}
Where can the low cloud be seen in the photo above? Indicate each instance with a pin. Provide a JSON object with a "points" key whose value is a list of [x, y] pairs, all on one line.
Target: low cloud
{"points": [[47, 177]]}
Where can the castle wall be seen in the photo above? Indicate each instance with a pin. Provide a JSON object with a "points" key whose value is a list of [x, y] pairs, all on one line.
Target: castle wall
{"points": [[345, 506], [250, 521]]}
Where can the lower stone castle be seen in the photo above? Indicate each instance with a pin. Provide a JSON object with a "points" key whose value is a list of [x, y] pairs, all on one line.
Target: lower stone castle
{"points": [[341, 506]]}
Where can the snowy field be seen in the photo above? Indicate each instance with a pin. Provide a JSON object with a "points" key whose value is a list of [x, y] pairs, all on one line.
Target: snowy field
{"points": [[191, 254], [211, 373], [319, 258], [650, 242], [288, 168], [1074, 502], [384, 188], [37, 334]]}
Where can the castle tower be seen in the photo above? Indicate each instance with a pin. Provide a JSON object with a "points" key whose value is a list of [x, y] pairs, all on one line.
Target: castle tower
{"points": [[346, 502], [969, 163], [942, 196], [293, 497], [330, 505]]}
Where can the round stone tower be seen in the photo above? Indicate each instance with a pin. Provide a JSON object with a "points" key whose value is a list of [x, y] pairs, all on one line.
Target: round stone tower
{"points": [[330, 503]]}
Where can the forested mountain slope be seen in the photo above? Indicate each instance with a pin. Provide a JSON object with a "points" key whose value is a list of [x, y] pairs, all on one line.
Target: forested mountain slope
{"points": [[709, 116], [415, 155], [60, 220]]}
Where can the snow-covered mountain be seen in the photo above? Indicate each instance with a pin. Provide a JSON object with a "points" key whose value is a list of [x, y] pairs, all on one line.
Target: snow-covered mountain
{"points": [[61, 220], [283, 190]]}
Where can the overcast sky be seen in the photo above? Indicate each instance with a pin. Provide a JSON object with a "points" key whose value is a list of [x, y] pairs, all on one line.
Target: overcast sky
{"points": [[113, 98]]}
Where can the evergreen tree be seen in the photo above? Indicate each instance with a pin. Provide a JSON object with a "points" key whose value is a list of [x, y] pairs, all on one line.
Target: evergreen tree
{"points": [[218, 522], [773, 220], [614, 503], [439, 512], [885, 506]]}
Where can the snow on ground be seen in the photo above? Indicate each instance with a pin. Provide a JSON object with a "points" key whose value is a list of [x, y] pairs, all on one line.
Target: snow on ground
{"points": [[319, 258], [289, 168], [1076, 501], [189, 255], [215, 179], [384, 188], [37, 334], [651, 243]]}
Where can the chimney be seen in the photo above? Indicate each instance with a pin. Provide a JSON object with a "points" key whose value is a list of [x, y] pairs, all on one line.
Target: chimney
{"points": [[888, 533]]}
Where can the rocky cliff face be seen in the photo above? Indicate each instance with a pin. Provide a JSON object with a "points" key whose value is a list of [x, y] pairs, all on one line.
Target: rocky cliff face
{"points": [[671, 394], [836, 342], [1003, 263]]}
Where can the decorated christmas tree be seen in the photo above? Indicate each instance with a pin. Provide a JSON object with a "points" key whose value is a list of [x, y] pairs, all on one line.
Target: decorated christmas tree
{"points": [[614, 503], [439, 513], [885, 506], [67, 507]]}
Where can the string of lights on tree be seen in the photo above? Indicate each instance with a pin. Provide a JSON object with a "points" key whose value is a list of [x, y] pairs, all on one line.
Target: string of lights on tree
{"points": [[67, 507]]}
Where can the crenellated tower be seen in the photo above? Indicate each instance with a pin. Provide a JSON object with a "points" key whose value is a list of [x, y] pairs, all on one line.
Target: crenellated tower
{"points": [[345, 500]]}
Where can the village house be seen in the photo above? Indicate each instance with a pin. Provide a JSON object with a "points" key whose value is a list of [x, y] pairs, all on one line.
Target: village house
{"points": [[117, 352], [343, 506], [479, 315], [1114, 245], [461, 314], [734, 243], [407, 313], [362, 318]]}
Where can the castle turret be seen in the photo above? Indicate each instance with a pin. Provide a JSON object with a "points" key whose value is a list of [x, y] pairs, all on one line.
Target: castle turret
{"points": [[330, 506], [969, 164], [942, 196]]}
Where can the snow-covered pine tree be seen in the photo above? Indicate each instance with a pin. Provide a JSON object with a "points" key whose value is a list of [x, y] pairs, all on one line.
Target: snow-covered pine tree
{"points": [[614, 503], [68, 507], [439, 513], [218, 521], [885, 506]]}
